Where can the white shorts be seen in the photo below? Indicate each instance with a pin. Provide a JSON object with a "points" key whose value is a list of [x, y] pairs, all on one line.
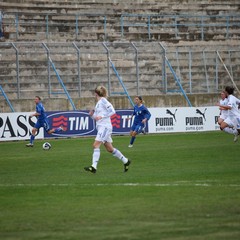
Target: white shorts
{"points": [[104, 134], [233, 122], [223, 116]]}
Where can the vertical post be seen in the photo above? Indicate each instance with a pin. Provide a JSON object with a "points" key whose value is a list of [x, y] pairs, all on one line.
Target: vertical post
{"points": [[17, 23], [190, 69], [149, 27], [164, 77], [216, 71], [49, 79], [76, 26], [47, 29], [176, 26], [227, 26], [105, 28], [17, 69], [137, 66], [202, 33], [178, 65], [205, 68], [108, 66], [122, 29], [78, 64]]}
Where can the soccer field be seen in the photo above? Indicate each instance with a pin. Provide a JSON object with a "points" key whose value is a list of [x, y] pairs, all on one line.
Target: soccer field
{"points": [[179, 186]]}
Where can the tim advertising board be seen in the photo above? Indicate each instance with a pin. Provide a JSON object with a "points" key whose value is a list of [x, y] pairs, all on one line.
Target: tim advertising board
{"points": [[79, 123], [183, 119], [17, 126]]}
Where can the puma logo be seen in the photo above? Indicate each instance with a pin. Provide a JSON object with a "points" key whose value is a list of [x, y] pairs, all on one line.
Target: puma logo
{"points": [[203, 114], [172, 114]]}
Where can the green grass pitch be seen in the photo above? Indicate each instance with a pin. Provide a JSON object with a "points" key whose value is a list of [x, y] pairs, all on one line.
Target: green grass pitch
{"points": [[179, 186]]}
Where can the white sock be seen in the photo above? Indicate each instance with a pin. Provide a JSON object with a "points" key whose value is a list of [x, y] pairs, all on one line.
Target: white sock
{"points": [[230, 130], [95, 157], [116, 153]]}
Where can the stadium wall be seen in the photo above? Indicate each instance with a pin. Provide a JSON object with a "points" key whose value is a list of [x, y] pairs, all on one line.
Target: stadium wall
{"points": [[119, 102]]}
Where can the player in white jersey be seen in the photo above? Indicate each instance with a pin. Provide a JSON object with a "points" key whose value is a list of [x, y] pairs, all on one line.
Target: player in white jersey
{"points": [[232, 123], [102, 115], [223, 113]]}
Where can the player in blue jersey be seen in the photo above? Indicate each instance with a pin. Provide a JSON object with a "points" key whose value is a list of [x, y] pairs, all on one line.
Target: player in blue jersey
{"points": [[142, 115], [42, 121]]}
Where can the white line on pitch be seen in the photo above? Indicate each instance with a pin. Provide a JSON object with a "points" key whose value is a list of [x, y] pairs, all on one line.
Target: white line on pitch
{"points": [[174, 184]]}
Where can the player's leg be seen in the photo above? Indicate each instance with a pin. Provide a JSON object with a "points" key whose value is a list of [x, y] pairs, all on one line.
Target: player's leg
{"points": [[95, 157], [136, 130], [133, 137], [229, 126], [34, 131], [116, 153], [220, 120], [53, 130], [237, 126], [144, 129], [96, 149]]}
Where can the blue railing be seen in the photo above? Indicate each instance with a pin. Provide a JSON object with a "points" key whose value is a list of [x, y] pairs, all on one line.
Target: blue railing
{"points": [[187, 26], [49, 22], [2, 93], [121, 82], [188, 23]]}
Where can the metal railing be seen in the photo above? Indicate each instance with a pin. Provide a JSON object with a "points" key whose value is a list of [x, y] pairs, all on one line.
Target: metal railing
{"points": [[180, 25], [22, 23], [142, 68], [96, 27], [2, 93]]}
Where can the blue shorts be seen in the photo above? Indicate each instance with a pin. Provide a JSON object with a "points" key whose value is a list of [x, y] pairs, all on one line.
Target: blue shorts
{"points": [[137, 128], [43, 123]]}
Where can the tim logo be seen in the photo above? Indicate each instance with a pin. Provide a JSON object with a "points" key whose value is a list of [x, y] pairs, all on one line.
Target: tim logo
{"points": [[116, 120], [172, 114], [76, 123], [122, 121], [60, 121], [202, 113]]}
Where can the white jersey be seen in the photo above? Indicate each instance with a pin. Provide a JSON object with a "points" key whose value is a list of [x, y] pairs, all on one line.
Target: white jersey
{"points": [[104, 109], [223, 113], [233, 102]]}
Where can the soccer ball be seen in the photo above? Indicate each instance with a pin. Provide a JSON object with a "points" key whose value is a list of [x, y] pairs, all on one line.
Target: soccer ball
{"points": [[46, 146]]}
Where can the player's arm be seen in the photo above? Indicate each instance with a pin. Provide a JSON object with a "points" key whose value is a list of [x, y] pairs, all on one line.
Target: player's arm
{"points": [[109, 111], [91, 113], [237, 101], [224, 107], [36, 114], [147, 115]]}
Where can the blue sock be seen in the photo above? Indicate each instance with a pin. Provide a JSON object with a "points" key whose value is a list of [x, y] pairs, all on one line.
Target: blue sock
{"points": [[32, 139], [132, 140], [58, 129]]}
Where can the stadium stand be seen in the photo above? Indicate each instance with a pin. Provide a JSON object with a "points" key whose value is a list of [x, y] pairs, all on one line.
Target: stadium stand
{"points": [[201, 40]]}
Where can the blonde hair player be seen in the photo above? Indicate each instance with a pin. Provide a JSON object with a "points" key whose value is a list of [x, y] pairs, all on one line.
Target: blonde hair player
{"points": [[223, 102], [102, 115]]}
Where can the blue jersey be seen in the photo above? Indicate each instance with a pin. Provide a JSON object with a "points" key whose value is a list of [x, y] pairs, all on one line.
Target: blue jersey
{"points": [[41, 110], [140, 113]]}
